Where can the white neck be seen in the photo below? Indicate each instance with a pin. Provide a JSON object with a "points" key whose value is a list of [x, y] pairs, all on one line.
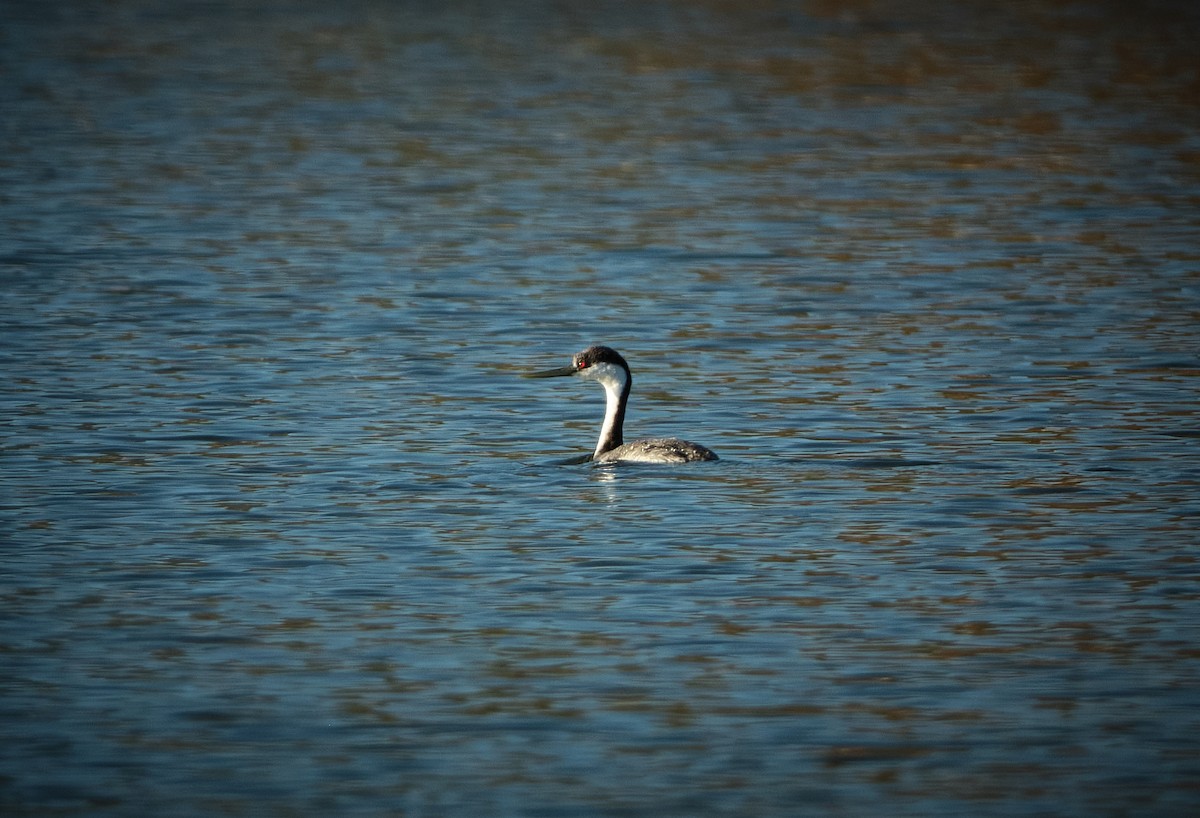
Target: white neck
{"points": [[612, 393], [614, 379]]}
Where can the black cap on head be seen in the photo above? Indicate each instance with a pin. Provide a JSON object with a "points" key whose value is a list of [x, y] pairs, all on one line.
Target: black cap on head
{"points": [[598, 355]]}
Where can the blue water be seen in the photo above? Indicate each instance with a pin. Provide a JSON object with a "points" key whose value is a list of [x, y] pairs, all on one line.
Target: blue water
{"points": [[286, 533]]}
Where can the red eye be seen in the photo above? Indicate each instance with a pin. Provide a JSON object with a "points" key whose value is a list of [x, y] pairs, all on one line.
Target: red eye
{"points": [[581, 365]]}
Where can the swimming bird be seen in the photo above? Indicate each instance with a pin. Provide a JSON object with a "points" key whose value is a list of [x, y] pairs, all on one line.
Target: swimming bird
{"points": [[606, 366]]}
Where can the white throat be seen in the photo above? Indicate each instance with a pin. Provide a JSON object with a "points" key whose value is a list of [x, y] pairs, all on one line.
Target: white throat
{"points": [[613, 378]]}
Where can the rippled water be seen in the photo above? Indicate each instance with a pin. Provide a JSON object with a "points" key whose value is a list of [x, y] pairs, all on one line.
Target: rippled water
{"points": [[285, 533]]}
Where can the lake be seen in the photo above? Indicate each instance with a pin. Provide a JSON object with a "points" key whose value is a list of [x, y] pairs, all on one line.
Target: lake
{"points": [[285, 532]]}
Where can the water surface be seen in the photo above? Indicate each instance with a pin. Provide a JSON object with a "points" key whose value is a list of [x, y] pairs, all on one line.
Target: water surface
{"points": [[285, 533]]}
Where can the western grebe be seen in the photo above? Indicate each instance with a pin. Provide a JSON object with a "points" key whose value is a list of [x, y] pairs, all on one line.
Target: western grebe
{"points": [[606, 366]]}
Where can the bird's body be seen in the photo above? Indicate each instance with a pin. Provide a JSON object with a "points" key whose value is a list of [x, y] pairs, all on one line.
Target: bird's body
{"points": [[656, 450], [606, 366]]}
